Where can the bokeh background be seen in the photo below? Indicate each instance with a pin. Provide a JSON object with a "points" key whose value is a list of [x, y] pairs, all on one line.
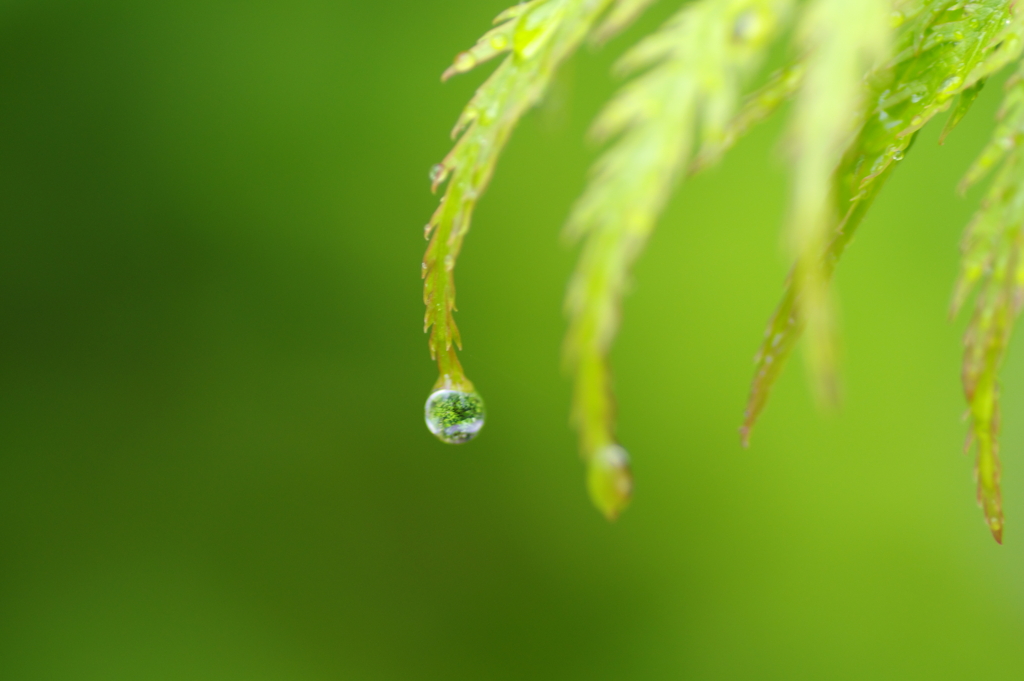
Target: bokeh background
{"points": [[213, 463]]}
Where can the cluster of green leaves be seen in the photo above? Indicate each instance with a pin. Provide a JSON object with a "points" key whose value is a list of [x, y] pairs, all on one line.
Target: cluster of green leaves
{"points": [[864, 78]]}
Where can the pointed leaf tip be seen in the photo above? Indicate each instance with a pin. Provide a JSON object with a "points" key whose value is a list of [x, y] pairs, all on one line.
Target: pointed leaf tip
{"points": [[997, 531]]}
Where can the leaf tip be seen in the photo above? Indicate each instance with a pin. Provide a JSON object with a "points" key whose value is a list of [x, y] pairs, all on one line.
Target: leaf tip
{"points": [[464, 61], [610, 481], [995, 526], [745, 431]]}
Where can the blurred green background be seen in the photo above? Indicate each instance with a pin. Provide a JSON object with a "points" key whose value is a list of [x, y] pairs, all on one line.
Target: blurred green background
{"points": [[213, 463]]}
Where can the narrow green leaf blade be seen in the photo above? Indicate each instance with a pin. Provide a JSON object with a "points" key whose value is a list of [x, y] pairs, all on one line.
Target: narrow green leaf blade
{"points": [[941, 48], [692, 73], [993, 262]]}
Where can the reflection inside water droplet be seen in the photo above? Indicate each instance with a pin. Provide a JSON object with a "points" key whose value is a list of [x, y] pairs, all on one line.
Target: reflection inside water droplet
{"points": [[454, 416]]}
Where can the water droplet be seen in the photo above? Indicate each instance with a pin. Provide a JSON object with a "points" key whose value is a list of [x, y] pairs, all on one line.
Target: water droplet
{"points": [[897, 155], [464, 62], [454, 416], [896, 19], [449, 262], [916, 120], [436, 172], [424, 268], [499, 42]]}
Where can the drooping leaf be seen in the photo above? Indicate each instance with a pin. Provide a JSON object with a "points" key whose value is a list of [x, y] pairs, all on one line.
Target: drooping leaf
{"points": [[941, 48], [692, 74], [993, 262], [842, 41], [535, 38]]}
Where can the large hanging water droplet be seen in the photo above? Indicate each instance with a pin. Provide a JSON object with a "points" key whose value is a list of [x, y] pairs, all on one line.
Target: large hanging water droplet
{"points": [[455, 416]]}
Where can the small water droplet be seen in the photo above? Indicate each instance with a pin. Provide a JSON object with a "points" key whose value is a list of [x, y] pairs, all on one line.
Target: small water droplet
{"points": [[897, 155], [436, 172], [455, 416], [424, 268], [896, 19], [449, 262], [499, 42], [916, 120]]}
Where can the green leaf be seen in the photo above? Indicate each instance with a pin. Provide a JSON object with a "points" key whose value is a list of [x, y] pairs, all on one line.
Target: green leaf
{"points": [[941, 48], [993, 262], [842, 40], [692, 73], [964, 101], [535, 37]]}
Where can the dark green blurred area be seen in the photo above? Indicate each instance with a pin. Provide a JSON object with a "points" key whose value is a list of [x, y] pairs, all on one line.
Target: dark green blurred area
{"points": [[213, 462]]}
